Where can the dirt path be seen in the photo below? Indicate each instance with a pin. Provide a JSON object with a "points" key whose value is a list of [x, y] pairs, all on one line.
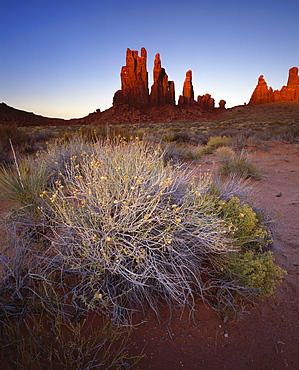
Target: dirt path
{"points": [[268, 336]]}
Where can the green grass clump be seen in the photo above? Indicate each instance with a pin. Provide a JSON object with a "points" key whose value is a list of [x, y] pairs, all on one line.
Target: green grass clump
{"points": [[21, 183]]}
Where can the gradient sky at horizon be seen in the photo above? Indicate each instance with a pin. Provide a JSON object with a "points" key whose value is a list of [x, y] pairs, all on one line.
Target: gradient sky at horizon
{"points": [[63, 58]]}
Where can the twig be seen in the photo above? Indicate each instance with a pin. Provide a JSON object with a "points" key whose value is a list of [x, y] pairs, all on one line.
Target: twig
{"points": [[16, 162], [276, 349], [183, 335], [216, 335]]}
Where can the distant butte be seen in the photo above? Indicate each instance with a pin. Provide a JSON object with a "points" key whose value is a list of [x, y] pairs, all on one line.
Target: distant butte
{"points": [[263, 94], [135, 92]]}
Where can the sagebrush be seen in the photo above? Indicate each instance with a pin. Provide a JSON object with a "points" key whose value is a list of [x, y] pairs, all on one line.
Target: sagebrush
{"points": [[122, 229]]}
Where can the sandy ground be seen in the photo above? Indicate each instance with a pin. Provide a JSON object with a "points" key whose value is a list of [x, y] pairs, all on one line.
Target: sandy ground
{"points": [[267, 337]]}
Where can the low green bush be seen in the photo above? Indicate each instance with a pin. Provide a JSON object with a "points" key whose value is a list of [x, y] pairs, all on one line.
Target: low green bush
{"points": [[244, 224], [218, 141], [256, 271]]}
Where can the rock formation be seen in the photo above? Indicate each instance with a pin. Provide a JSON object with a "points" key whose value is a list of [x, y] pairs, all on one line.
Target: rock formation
{"points": [[134, 87], [162, 91], [206, 102], [134, 81], [222, 104], [188, 93], [264, 94]]}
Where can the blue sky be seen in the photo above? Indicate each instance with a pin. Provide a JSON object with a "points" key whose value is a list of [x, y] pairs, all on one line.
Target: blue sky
{"points": [[63, 58]]}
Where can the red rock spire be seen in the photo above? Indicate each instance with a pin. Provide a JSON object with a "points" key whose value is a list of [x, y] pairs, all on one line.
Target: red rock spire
{"points": [[162, 91], [188, 93], [134, 81], [134, 86], [262, 94]]}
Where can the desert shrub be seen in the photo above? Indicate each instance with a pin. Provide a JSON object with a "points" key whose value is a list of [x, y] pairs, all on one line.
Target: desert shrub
{"points": [[122, 230], [244, 224], [60, 153], [182, 137], [225, 153], [42, 134], [14, 134], [177, 153], [218, 141], [255, 270], [22, 140], [285, 134], [240, 140], [240, 165], [207, 150], [168, 137], [214, 143], [176, 135]]}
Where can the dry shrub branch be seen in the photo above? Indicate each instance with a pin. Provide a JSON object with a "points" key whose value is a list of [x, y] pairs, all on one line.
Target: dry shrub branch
{"points": [[117, 229]]}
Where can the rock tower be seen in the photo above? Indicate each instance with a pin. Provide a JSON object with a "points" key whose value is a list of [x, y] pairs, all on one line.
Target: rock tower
{"points": [[263, 94]]}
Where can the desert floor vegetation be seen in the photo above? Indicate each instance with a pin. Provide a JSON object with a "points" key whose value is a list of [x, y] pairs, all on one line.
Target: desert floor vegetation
{"points": [[237, 164], [111, 227]]}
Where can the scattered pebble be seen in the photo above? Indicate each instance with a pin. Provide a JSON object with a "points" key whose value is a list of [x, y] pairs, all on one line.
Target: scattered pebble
{"points": [[279, 194], [225, 319]]}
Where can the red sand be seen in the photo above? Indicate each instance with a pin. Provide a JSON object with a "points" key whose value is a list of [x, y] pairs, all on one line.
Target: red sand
{"points": [[268, 336]]}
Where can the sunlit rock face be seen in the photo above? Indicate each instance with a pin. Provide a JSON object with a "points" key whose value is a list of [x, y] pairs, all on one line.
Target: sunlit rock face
{"points": [[134, 90], [134, 81], [187, 98], [162, 91], [206, 102], [264, 94]]}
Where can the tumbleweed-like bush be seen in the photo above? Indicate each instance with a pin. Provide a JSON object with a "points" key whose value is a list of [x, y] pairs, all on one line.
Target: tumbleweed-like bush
{"points": [[239, 165], [117, 229]]}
